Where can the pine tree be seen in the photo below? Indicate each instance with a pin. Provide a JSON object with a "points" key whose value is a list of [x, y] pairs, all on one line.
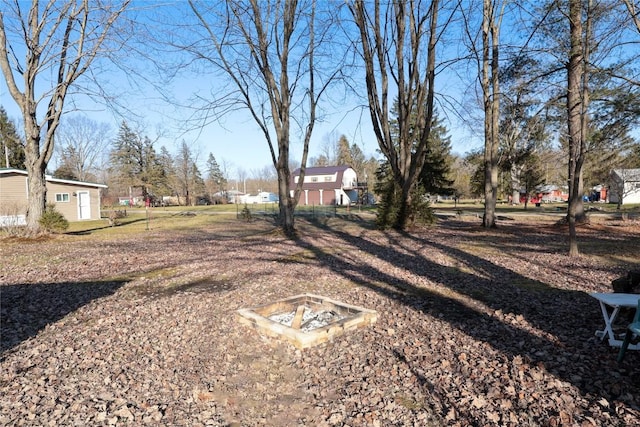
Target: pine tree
{"points": [[134, 162], [216, 182], [433, 178], [12, 147], [344, 152]]}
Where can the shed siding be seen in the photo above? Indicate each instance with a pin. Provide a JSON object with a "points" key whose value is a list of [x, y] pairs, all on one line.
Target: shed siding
{"points": [[70, 209], [14, 195], [13, 191]]}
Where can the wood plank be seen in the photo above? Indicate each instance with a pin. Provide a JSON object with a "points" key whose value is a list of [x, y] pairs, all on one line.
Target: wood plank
{"points": [[297, 318]]}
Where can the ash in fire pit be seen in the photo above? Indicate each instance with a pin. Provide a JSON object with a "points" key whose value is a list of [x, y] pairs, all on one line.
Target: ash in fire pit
{"points": [[310, 319], [307, 320]]}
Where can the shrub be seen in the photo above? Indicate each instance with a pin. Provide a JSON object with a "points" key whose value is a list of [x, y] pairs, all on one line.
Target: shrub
{"points": [[245, 213], [114, 217], [52, 220]]}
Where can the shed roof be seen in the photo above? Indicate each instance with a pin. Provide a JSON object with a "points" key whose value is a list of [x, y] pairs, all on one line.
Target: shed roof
{"points": [[628, 175], [50, 178]]}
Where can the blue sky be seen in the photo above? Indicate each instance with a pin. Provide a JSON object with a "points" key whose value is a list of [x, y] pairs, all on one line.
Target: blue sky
{"points": [[235, 140]]}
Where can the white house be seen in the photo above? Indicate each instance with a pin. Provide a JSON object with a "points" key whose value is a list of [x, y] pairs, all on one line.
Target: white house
{"points": [[624, 186], [261, 197]]}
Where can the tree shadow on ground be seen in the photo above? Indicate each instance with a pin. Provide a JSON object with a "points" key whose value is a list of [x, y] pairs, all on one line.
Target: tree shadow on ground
{"points": [[91, 230], [25, 309], [482, 300]]}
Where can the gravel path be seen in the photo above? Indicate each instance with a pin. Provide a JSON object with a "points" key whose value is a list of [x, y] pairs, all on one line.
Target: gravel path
{"points": [[475, 328]]}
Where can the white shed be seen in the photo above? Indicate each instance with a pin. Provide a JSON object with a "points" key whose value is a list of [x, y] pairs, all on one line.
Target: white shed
{"points": [[624, 186]]}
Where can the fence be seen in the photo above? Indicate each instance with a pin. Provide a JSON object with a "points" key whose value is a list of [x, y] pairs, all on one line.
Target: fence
{"points": [[272, 210]]}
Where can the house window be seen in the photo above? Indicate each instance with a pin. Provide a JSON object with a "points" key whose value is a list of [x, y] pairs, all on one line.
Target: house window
{"points": [[62, 197], [327, 179], [314, 179]]}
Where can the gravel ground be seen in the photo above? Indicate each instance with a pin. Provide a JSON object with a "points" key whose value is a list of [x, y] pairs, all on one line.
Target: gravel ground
{"points": [[475, 328]]}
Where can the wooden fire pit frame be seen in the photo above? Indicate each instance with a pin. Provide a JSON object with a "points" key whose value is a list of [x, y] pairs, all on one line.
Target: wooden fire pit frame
{"points": [[354, 317]]}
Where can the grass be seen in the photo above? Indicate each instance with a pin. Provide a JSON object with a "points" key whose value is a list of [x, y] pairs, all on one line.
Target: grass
{"points": [[504, 207], [139, 222]]}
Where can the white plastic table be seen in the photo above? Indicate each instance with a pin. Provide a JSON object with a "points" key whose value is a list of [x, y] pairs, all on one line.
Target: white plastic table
{"points": [[615, 301]]}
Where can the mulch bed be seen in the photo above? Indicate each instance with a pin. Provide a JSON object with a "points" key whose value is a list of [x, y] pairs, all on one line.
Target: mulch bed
{"points": [[475, 328]]}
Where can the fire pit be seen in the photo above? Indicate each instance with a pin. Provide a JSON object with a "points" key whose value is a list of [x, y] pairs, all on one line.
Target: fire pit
{"points": [[306, 320]]}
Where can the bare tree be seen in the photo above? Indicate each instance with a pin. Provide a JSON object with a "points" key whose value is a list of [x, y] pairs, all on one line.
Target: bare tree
{"points": [[397, 41], [60, 41], [634, 12], [492, 13], [486, 53], [187, 173], [82, 145], [268, 49]]}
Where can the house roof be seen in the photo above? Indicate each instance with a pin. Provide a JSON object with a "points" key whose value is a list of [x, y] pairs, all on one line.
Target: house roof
{"points": [[628, 175], [50, 178], [322, 170]]}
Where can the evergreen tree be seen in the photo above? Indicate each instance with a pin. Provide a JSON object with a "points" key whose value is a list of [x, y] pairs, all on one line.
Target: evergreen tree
{"points": [[189, 181], [167, 186], [216, 181], [134, 162], [344, 152], [433, 177], [12, 147]]}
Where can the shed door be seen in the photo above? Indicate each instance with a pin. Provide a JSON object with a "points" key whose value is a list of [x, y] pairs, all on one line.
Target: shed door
{"points": [[84, 205]]}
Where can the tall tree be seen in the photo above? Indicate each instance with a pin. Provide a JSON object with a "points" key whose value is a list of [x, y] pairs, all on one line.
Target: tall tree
{"points": [[522, 120], [187, 173], [167, 183], [344, 152], [577, 118], [434, 176], [590, 62], [397, 42], [432, 179], [12, 145], [82, 145], [268, 49], [492, 13], [483, 40], [216, 181], [134, 162], [60, 40]]}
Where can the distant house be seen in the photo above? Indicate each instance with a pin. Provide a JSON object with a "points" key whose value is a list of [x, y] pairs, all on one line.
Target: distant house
{"points": [[551, 193], [76, 200], [330, 185], [261, 197], [624, 186], [598, 194], [234, 196]]}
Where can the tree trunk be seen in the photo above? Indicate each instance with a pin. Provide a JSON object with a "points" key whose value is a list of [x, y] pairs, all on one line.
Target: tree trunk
{"points": [[490, 87], [36, 184], [515, 184], [575, 110], [36, 165], [286, 219]]}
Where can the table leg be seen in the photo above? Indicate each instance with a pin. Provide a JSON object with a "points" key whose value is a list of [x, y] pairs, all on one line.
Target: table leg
{"points": [[608, 322], [608, 328]]}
